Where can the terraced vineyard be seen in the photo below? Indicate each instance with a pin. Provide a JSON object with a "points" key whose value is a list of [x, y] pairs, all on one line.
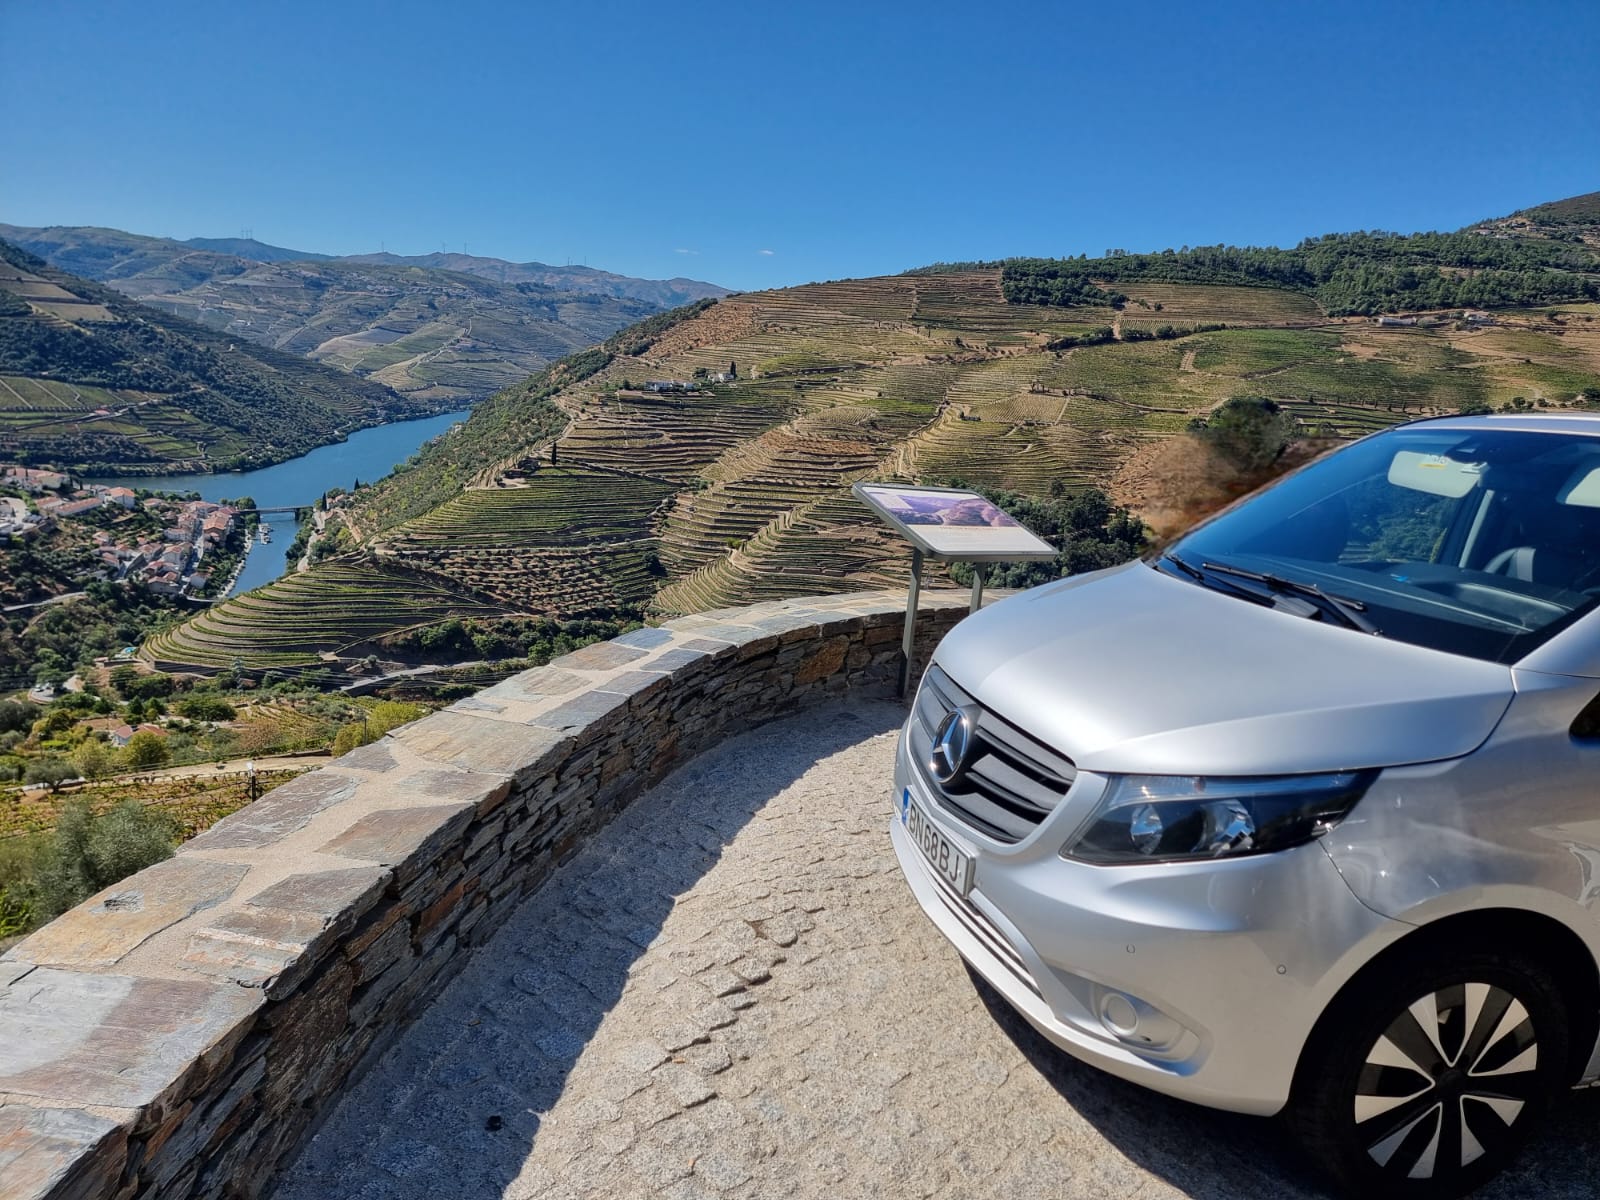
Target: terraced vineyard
{"points": [[738, 490], [559, 541], [339, 609]]}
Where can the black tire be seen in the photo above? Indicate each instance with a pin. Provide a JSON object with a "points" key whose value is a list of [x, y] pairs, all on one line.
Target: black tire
{"points": [[1390, 1108]]}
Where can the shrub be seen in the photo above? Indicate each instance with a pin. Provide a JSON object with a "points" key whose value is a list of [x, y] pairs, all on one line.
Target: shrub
{"points": [[380, 719]]}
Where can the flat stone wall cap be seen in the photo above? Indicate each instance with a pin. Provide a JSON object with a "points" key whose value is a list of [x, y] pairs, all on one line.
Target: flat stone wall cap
{"points": [[644, 639], [44, 1152], [486, 746], [375, 757], [541, 683], [439, 786], [583, 709], [736, 634], [280, 812], [789, 621], [105, 928], [682, 656], [256, 947], [632, 683], [84, 1040], [329, 894], [402, 837], [599, 656]]}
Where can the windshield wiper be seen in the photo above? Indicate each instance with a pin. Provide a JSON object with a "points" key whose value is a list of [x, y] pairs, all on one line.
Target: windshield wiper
{"points": [[1192, 571], [1351, 612], [1226, 586]]}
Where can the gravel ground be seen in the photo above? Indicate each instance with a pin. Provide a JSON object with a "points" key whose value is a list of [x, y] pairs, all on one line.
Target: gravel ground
{"points": [[732, 993]]}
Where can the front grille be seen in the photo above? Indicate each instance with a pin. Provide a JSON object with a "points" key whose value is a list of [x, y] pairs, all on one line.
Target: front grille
{"points": [[1011, 781], [977, 923]]}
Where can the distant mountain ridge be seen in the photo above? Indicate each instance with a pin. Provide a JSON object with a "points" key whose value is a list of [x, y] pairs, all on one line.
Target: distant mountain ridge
{"points": [[669, 293], [113, 255], [438, 327]]}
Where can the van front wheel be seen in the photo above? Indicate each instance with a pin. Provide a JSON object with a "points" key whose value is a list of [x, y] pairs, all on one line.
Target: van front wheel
{"points": [[1425, 1080]]}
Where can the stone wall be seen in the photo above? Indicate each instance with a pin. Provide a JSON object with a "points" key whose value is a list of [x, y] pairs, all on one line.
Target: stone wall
{"points": [[179, 1034]]}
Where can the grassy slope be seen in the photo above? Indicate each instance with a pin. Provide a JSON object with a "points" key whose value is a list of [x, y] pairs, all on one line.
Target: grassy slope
{"points": [[92, 381]]}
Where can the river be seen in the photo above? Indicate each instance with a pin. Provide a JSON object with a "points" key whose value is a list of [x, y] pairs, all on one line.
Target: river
{"points": [[366, 455]]}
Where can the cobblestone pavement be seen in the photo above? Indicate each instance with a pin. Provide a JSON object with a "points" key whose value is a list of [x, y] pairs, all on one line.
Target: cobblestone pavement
{"points": [[731, 993]]}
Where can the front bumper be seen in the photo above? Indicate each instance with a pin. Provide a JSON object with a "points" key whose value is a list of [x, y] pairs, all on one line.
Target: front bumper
{"points": [[1200, 980]]}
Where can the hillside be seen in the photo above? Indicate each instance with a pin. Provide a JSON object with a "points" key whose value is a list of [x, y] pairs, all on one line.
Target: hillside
{"points": [[580, 493], [93, 382], [441, 328]]}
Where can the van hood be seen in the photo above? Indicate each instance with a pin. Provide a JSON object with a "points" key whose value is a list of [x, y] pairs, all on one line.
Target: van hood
{"points": [[1132, 670]]}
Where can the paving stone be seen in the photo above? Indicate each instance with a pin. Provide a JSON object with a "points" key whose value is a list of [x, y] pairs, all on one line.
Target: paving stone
{"points": [[688, 1087], [710, 1058], [721, 1171], [641, 1054]]}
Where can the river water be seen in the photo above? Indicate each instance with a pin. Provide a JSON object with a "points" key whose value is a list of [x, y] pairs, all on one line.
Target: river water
{"points": [[365, 455]]}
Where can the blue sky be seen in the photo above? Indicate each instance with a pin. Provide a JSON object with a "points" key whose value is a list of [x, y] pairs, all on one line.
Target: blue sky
{"points": [[765, 143]]}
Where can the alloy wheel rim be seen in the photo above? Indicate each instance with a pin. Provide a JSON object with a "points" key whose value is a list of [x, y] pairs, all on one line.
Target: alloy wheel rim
{"points": [[1447, 1081]]}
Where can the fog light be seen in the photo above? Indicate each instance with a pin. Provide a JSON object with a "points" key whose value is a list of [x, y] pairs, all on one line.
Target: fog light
{"points": [[1131, 1020], [1118, 1014]]}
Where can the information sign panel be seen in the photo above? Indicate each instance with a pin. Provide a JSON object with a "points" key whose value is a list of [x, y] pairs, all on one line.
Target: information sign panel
{"points": [[951, 524]]}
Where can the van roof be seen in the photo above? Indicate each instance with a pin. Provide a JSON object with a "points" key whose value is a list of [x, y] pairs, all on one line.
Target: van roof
{"points": [[1583, 424]]}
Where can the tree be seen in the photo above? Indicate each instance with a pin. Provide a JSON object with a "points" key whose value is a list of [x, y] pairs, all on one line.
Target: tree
{"points": [[199, 707], [50, 771], [93, 759], [17, 714], [147, 749], [1250, 432]]}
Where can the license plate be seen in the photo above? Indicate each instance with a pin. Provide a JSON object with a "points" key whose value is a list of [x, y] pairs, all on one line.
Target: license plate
{"points": [[951, 863]]}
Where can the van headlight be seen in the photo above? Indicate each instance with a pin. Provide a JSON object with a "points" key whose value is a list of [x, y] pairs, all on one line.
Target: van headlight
{"points": [[1167, 818]]}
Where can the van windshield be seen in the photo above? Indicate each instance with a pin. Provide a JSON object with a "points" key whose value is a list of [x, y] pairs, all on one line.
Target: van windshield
{"points": [[1480, 541]]}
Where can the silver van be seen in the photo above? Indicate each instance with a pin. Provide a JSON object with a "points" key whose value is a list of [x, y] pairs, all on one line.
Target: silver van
{"points": [[1301, 816]]}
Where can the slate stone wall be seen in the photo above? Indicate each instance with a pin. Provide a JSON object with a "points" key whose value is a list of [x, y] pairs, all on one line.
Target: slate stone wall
{"points": [[178, 1035]]}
